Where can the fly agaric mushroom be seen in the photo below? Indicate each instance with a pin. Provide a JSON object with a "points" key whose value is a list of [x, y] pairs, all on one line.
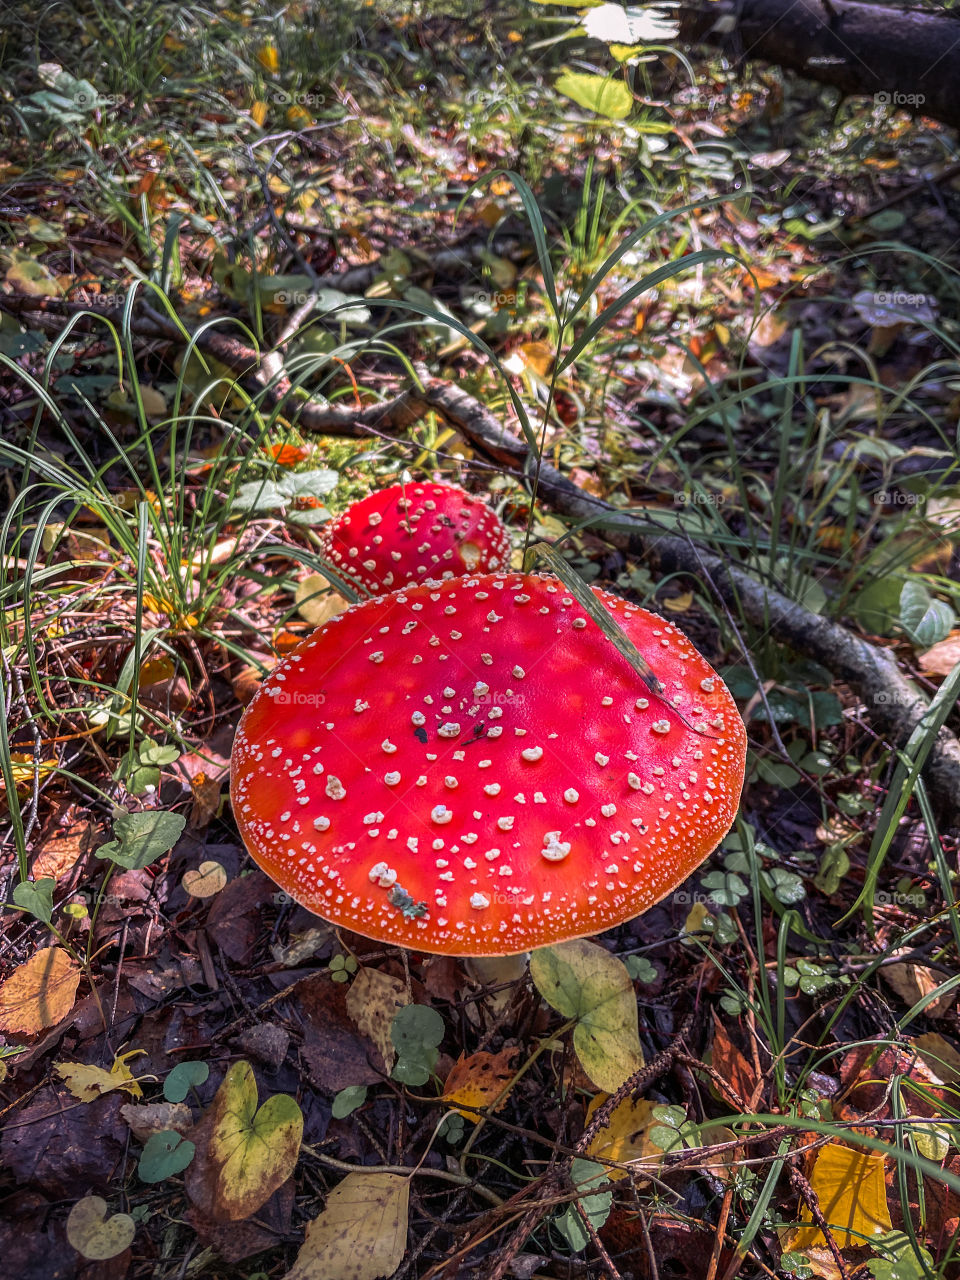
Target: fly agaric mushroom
{"points": [[410, 533], [471, 767]]}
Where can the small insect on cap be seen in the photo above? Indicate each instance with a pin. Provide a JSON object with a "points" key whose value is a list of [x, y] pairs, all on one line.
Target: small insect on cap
{"points": [[471, 767], [409, 533]]}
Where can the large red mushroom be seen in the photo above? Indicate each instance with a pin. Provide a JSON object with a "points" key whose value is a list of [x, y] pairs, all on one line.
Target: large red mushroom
{"points": [[471, 767], [415, 532]]}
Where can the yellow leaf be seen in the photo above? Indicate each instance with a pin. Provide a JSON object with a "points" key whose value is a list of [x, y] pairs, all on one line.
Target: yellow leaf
{"points": [[28, 276], [40, 992], [478, 1081], [316, 602], [298, 117], [258, 113], [625, 1137], [853, 1197], [361, 1233], [93, 1234], [372, 1002], [268, 58], [249, 1151], [87, 1083], [679, 604]]}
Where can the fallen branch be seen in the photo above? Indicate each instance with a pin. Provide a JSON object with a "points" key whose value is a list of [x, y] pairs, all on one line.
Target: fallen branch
{"points": [[895, 703]]}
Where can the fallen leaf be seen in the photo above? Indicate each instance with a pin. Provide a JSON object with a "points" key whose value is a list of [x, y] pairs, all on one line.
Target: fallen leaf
{"points": [[912, 982], [853, 1197], [40, 992], [155, 1117], [247, 1152], [939, 1057], [582, 980], [361, 1233], [942, 657], [207, 879], [316, 602], [59, 854], [479, 1080], [87, 1082], [626, 1138], [93, 1234], [372, 1002], [731, 1064]]}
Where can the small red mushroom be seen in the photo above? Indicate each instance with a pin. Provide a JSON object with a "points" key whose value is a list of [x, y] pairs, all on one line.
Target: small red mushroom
{"points": [[471, 767], [415, 532]]}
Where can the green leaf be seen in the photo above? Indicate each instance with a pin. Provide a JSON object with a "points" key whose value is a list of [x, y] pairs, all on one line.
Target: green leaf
{"points": [[640, 969], [787, 886], [584, 982], [924, 619], [165, 1155], [348, 1100], [877, 607], [184, 1077], [36, 896], [283, 492], [142, 838], [586, 1175], [416, 1031], [726, 889], [900, 1260], [605, 95]]}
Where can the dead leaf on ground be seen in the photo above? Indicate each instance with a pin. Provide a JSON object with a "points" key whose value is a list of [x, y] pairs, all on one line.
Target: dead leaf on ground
{"points": [[479, 1080], [96, 1235], [731, 1064], [912, 982], [156, 1117], [941, 658], [361, 1233], [852, 1192], [87, 1082], [40, 992], [372, 1002], [60, 853]]}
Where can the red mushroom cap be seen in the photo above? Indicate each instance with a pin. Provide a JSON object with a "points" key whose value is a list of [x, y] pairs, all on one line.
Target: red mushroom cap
{"points": [[416, 532], [471, 767]]}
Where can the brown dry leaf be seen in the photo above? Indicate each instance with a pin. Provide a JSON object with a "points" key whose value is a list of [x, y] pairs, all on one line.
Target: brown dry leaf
{"points": [[372, 1003], [61, 852], [941, 658], [207, 793], [853, 1196], [40, 992], [207, 879], [361, 1233], [939, 1057], [478, 1081], [731, 1064], [156, 1117], [912, 982], [770, 329]]}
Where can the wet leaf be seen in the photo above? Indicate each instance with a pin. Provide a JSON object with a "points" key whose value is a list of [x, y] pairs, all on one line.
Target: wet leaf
{"points": [[93, 1234], [361, 1233], [40, 992], [581, 980]]}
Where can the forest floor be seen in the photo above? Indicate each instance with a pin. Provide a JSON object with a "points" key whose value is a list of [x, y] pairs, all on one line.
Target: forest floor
{"points": [[725, 306]]}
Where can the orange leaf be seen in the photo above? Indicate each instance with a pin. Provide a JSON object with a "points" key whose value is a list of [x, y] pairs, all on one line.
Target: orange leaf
{"points": [[286, 455], [40, 992], [479, 1080]]}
